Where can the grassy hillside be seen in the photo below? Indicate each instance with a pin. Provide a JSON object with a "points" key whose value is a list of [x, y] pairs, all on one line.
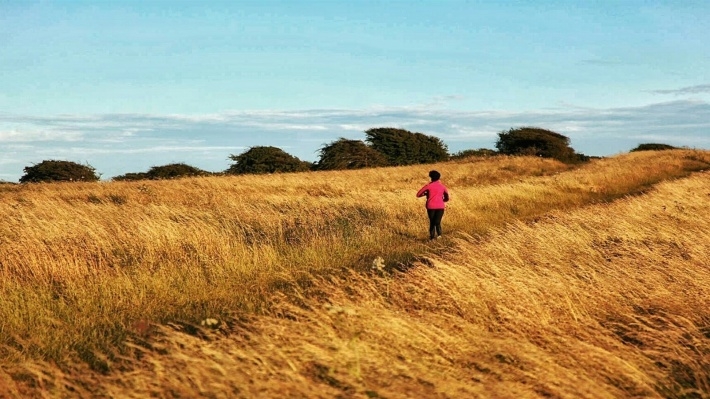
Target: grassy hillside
{"points": [[541, 288]]}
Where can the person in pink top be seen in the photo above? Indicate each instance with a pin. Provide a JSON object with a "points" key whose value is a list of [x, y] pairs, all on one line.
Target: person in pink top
{"points": [[436, 197]]}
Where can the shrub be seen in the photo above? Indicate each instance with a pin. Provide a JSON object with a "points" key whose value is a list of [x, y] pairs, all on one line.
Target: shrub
{"points": [[263, 159], [535, 141], [402, 147], [52, 171], [349, 154], [131, 177], [173, 171], [481, 152], [654, 147], [170, 171]]}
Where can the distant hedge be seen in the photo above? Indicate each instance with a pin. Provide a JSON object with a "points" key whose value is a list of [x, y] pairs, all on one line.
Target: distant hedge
{"points": [[170, 171], [175, 170], [481, 152], [654, 147]]}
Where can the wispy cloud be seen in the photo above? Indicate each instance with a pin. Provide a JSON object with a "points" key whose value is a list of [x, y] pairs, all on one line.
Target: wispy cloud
{"points": [[91, 151], [22, 136], [697, 89], [119, 143]]}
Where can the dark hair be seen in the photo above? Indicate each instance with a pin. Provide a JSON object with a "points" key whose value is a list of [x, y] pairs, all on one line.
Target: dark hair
{"points": [[434, 175]]}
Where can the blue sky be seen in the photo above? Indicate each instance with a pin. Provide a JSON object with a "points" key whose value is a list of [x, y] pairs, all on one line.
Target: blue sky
{"points": [[126, 85]]}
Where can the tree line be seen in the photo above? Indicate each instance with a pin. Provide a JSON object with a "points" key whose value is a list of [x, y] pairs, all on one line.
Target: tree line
{"points": [[384, 146]]}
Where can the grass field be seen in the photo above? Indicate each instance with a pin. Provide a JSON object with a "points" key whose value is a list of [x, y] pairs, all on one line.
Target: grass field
{"points": [[551, 281]]}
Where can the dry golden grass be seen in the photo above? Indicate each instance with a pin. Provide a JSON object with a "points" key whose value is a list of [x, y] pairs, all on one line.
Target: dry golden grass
{"points": [[531, 299]]}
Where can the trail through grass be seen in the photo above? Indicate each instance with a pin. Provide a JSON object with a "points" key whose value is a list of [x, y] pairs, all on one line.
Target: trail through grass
{"points": [[87, 266]]}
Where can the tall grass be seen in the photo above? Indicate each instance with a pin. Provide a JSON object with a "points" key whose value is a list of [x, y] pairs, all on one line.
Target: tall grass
{"points": [[85, 267]]}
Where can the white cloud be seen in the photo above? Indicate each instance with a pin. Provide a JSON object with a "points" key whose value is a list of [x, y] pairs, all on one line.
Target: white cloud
{"points": [[462, 133], [8, 161], [164, 149], [353, 127], [284, 126], [19, 135], [121, 143]]}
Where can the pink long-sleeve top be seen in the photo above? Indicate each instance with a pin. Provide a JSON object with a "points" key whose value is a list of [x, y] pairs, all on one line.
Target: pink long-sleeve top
{"points": [[436, 195]]}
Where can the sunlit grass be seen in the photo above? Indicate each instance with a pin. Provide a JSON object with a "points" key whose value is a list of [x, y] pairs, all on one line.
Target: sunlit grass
{"points": [[84, 267]]}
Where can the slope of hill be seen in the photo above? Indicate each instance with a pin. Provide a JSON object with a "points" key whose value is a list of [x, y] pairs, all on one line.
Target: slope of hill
{"points": [[534, 293]]}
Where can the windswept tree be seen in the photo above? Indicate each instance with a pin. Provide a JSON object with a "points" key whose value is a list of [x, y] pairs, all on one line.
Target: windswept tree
{"points": [[54, 171], [402, 147], [349, 154], [537, 142], [265, 159]]}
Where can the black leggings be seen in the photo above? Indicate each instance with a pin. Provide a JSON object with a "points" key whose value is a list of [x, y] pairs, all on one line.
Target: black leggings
{"points": [[435, 216]]}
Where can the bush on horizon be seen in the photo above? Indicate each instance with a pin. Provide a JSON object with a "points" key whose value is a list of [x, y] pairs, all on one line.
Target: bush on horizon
{"points": [[481, 152], [535, 141], [653, 147], [58, 171], [170, 171], [266, 159], [402, 147], [349, 154]]}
